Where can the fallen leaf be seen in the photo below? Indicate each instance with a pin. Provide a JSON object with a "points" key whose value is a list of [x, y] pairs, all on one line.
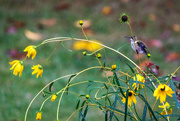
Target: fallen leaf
{"points": [[86, 23], [48, 22], [33, 36], [173, 56], [152, 17], [176, 27], [106, 10]]}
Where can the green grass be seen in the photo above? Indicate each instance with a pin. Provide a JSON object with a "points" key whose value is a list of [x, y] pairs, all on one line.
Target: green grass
{"points": [[16, 93]]}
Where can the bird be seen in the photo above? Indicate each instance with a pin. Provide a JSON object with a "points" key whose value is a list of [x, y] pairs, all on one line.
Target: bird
{"points": [[138, 46]]}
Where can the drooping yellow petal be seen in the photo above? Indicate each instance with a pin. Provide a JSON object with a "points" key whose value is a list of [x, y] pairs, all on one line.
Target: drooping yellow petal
{"points": [[38, 116], [30, 51], [17, 66], [37, 69], [161, 91]]}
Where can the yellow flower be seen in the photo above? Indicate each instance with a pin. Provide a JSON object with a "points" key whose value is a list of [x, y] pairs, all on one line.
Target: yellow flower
{"points": [[98, 55], [17, 66], [168, 109], [113, 67], [37, 69], [139, 79], [53, 97], [87, 96], [131, 98], [81, 22], [30, 51], [84, 53], [38, 116], [161, 91], [86, 45]]}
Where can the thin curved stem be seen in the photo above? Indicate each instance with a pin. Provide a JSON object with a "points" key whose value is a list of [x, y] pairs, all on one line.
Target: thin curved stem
{"points": [[41, 91]]}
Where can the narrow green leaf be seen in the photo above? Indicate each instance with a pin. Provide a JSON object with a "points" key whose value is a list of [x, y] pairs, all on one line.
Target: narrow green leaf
{"points": [[131, 68], [47, 92], [118, 64], [149, 107], [105, 86], [77, 106], [113, 106], [80, 111], [174, 95], [50, 86], [69, 82], [106, 116], [117, 81], [85, 113], [90, 83], [144, 113], [126, 105]]}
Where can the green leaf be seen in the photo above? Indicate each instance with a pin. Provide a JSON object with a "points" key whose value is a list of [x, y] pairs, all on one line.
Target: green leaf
{"points": [[174, 95], [105, 86], [80, 111], [149, 107], [50, 86], [126, 105], [113, 106], [77, 106], [104, 64], [106, 116], [131, 68], [85, 113], [69, 82], [144, 113], [47, 92], [118, 64], [117, 81]]}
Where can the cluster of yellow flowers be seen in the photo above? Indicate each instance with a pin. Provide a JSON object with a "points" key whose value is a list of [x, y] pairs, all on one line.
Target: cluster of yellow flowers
{"points": [[160, 92], [18, 66]]}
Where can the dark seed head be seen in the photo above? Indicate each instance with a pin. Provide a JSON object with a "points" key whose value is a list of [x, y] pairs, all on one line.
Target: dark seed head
{"points": [[124, 18], [162, 89], [130, 94]]}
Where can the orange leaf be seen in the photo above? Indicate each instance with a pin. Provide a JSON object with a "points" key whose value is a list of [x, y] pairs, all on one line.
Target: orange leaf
{"points": [[33, 36]]}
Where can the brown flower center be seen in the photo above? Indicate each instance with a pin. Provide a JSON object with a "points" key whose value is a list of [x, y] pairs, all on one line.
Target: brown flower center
{"points": [[162, 89], [130, 94], [124, 18]]}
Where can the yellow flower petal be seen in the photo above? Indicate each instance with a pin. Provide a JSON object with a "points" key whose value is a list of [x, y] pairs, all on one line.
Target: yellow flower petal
{"points": [[37, 69], [17, 66], [161, 91], [30, 51]]}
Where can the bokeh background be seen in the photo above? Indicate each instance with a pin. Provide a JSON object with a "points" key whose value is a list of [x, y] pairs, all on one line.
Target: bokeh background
{"points": [[29, 22]]}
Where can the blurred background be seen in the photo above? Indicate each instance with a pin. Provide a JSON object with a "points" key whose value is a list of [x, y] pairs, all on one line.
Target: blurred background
{"points": [[29, 22]]}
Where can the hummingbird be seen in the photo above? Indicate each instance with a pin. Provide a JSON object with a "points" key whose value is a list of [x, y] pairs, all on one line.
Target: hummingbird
{"points": [[138, 46]]}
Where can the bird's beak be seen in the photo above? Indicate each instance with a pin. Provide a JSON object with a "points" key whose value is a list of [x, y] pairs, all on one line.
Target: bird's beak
{"points": [[127, 37]]}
